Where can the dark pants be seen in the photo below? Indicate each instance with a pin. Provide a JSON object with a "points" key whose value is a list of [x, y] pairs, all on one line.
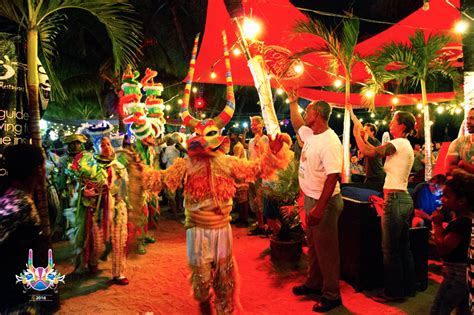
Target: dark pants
{"points": [[453, 293], [399, 270], [323, 248]]}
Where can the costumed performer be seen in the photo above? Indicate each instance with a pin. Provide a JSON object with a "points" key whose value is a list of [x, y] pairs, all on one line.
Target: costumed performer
{"points": [[102, 211], [146, 124], [209, 187]]}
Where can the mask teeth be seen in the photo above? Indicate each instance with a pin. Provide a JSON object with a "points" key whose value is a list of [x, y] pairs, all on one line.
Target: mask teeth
{"points": [[226, 115], [187, 118]]}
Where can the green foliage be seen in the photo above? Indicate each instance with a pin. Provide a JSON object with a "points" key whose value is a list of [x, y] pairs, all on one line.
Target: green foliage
{"points": [[285, 191], [420, 60], [286, 188], [339, 44], [48, 17]]}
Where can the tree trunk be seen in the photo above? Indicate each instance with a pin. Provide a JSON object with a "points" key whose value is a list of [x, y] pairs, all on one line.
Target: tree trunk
{"points": [[468, 51], [346, 135], [33, 106], [427, 130]]}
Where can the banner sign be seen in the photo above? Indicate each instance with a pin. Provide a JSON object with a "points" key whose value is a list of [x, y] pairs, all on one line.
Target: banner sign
{"points": [[14, 116]]}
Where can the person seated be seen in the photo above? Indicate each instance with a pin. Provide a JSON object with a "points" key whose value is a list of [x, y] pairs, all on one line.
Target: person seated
{"points": [[426, 199], [357, 170]]}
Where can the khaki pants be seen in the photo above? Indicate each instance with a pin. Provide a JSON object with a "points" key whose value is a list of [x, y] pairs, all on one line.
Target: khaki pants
{"points": [[323, 248]]}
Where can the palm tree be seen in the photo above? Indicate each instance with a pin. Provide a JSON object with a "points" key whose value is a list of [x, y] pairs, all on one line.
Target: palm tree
{"points": [[468, 50], [416, 63], [339, 44], [41, 21]]}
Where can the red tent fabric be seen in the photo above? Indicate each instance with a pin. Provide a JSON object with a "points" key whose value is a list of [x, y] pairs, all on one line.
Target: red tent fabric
{"points": [[277, 18], [337, 99], [440, 18]]}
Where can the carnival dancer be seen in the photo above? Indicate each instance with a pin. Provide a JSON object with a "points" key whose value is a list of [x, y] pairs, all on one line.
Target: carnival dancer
{"points": [[102, 211], [146, 123], [66, 182], [209, 187]]}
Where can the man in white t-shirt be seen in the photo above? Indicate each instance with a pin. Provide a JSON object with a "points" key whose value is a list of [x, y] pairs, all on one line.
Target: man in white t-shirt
{"points": [[319, 171], [255, 189]]}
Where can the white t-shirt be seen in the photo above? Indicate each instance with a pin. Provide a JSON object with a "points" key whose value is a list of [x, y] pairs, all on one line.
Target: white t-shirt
{"points": [[398, 165], [252, 151], [321, 155]]}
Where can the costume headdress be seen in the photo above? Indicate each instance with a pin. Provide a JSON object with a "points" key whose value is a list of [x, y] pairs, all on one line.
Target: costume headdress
{"points": [[225, 116], [208, 140], [145, 119]]}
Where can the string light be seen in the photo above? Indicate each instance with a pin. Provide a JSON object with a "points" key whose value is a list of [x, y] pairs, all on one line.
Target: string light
{"points": [[372, 115], [279, 91], [300, 110], [251, 28], [298, 68], [287, 101], [384, 122], [458, 110], [237, 52], [440, 109], [369, 93], [419, 106], [203, 115], [426, 5], [337, 83], [167, 107], [395, 100], [213, 75], [461, 27], [195, 90], [338, 115], [180, 101]]}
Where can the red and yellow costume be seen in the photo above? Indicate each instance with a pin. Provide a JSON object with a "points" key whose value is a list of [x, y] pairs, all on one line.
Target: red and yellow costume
{"points": [[209, 186]]}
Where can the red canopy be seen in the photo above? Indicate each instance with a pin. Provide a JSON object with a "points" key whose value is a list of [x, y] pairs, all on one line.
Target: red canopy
{"points": [[338, 99], [440, 18], [277, 18]]}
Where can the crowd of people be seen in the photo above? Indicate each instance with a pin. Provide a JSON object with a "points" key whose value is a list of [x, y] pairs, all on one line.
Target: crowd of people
{"points": [[108, 192]]}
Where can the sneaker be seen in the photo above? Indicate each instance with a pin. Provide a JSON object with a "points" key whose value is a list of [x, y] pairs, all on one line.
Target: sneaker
{"points": [[304, 290], [149, 239], [120, 280], [325, 305]]}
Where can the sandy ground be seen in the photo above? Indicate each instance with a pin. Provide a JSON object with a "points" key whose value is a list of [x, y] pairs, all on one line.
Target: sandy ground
{"points": [[159, 283]]}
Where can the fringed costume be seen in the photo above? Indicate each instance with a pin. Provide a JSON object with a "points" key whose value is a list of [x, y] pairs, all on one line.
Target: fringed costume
{"points": [[101, 215], [209, 187], [147, 124]]}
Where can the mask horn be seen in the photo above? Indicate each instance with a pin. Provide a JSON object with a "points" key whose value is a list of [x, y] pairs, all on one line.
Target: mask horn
{"points": [[50, 259], [30, 259], [187, 118], [226, 115]]}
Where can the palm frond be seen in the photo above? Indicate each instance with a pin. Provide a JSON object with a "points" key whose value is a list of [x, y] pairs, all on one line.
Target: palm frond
{"points": [[349, 35], [13, 11], [118, 18]]}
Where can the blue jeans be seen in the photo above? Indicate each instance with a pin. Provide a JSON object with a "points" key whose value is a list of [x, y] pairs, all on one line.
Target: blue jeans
{"points": [[453, 293], [399, 269]]}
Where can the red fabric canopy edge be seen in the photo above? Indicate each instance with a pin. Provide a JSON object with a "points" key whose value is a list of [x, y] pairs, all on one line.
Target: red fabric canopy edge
{"points": [[337, 99]]}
